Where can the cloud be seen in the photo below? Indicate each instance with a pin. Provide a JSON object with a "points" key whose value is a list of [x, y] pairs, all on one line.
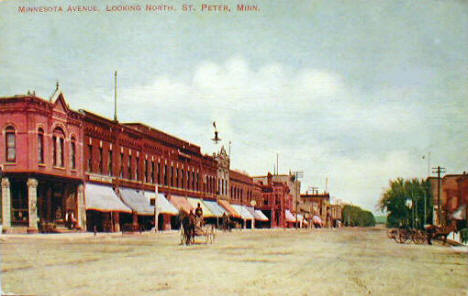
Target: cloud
{"points": [[311, 117]]}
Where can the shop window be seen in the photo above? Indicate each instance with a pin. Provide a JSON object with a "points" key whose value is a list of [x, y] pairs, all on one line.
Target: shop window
{"points": [[40, 145], [19, 203]]}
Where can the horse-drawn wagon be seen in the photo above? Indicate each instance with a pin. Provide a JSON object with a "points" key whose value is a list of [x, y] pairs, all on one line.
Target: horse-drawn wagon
{"points": [[191, 228]]}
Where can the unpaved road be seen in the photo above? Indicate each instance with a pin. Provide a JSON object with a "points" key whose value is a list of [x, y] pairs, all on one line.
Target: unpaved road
{"points": [[260, 262]]}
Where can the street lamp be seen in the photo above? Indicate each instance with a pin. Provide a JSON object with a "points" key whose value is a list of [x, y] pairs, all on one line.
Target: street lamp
{"points": [[409, 204]]}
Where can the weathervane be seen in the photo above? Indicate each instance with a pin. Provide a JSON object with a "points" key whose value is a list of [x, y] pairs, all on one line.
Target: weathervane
{"points": [[216, 139]]}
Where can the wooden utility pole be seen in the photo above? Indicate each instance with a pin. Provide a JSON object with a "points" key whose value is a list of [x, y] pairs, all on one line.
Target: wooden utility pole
{"points": [[438, 170]]}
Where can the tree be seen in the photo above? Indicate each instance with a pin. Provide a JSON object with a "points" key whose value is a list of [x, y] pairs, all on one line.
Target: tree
{"points": [[355, 216], [396, 202]]}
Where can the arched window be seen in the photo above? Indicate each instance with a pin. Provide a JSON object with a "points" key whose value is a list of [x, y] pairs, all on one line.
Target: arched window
{"points": [[58, 145], [10, 149], [40, 145], [73, 153]]}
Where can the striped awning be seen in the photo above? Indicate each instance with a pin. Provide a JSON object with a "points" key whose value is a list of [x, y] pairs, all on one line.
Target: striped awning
{"points": [[164, 206], [258, 216], [215, 208], [290, 217], [227, 206], [262, 216], [181, 203], [207, 213], [103, 199], [243, 212], [137, 201]]}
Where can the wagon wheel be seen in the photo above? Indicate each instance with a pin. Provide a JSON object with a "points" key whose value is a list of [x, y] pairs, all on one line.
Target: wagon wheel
{"points": [[419, 237], [182, 236], [402, 236], [213, 235]]}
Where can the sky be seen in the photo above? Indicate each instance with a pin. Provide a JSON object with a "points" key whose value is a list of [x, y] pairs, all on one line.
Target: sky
{"points": [[356, 92]]}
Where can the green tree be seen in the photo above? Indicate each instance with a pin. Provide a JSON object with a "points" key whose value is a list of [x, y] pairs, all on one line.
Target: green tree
{"points": [[396, 202], [355, 216]]}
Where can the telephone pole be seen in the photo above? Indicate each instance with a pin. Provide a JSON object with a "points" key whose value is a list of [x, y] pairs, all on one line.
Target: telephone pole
{"points": [[438, 170]]}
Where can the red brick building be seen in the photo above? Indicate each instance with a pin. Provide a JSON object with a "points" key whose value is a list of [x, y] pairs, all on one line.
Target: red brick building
{"points": [[274, 200], [41, 158], [64, 167], [453, 196], [50, 153]]}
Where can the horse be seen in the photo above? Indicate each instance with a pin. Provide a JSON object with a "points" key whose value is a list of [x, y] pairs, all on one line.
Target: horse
{"points": [[434, 232], [188, 226]]}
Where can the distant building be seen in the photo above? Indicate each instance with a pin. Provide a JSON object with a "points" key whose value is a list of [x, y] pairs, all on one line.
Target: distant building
{"points": [[275, 200], [316, 204], [293, 184], [453, 196]]}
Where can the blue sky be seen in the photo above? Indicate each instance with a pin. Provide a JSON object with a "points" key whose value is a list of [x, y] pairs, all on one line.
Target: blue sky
{"points": [[356, 91]]}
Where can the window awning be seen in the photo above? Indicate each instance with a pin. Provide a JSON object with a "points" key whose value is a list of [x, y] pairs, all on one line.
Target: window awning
{"points": [[207, 213], [256, 215], [164, 206], [227, 206], [181, 203], [215, 208], [137, 201], [243, 212], [262, 216], [290, 217], [103, 199]]}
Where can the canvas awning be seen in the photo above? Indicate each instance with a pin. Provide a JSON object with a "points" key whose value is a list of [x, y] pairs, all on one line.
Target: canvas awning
{"points": [[137, 201], [227, 206], [164, 206], [262, 215], [290, 217], [316, 219], [243, 212], [181, 203], [103, 199], [207, 213], [256, 215], [215, 208]]}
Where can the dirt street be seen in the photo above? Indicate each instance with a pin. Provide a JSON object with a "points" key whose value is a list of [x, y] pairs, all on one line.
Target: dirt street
{"points": [[259, 262]]}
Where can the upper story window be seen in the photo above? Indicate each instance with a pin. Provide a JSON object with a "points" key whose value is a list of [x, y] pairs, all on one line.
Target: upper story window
{"points": [[109, 163], [10, 137], [138, 173], [121, 165], [90, 158], [58, 147], [73, 153], [101, 160], [40, 145], [129, 167]]}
